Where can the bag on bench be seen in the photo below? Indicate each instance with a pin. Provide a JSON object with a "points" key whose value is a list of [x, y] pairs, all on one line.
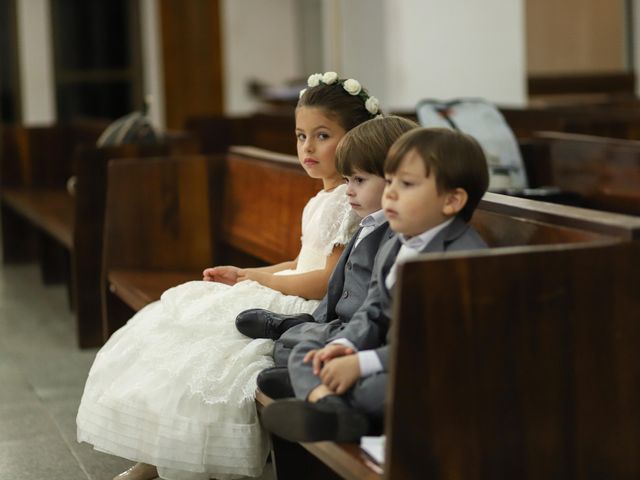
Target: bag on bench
{"points": [[483, 121]]}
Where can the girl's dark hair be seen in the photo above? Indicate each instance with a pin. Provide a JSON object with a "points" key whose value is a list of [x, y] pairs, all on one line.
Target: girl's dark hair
{"points": [[348, 110], [365, 147], [456, 160]]}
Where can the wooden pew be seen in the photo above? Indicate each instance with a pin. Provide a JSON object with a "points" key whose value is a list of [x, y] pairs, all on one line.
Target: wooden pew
{"points": [[38, 162], [272, 129], [89, 207], [37, 211], [503, 221], [242, 181], [605, 120], [170, 218], [603, 173], [517, 363]]}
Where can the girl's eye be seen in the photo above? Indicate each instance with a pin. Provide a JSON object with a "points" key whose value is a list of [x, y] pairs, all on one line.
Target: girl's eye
{"points": [[406, 184], [387, 181], [323, 136], [301, 136], [346, 180], [358, 180]]}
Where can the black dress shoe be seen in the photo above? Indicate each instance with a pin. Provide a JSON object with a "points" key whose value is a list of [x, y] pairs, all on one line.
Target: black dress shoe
{"points": [[330, 418], [275, 383], [260, 323]]}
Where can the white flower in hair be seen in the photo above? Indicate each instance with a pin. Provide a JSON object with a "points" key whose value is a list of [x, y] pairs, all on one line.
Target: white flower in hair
{"points": [[329, 78], [372, 105], [314, 79], [302, 92], [352, 86]]}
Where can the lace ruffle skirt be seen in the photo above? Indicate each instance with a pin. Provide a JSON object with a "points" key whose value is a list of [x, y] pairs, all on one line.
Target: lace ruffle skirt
{"points": [[175, 386]]}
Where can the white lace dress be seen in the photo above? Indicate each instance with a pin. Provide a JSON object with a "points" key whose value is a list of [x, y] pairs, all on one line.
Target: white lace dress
{"points": [[175, 386]]}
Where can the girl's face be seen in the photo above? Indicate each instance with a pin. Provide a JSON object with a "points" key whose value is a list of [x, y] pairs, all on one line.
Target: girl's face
{"points": [[411, 200], [364, 191], [318, 137]]}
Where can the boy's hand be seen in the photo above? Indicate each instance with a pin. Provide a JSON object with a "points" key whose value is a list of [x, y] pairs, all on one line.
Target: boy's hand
{"points": [[226, 274], [341, 373], [325, 354]]}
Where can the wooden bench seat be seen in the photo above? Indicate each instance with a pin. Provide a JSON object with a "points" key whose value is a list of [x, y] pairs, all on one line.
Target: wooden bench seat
{"points": [[51, 209], [138, 288], [237, 201]]}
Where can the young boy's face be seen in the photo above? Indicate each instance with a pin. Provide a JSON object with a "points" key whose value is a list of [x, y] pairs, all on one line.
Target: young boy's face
{"points": [[364, 191], [411, 200]]}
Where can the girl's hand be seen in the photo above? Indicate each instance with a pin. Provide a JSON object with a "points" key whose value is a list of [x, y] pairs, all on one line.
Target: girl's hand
{"points": [[318, 357], [259, 276], [226, 274], [341, 373]]}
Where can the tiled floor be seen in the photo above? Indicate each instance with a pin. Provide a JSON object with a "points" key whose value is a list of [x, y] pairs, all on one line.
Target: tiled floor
{"points": [[42, 374]]}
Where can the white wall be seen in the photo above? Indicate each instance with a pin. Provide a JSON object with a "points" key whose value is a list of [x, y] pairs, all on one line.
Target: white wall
{"points": [[260, 42], [406, 50], [152, 64], [35, 59]]}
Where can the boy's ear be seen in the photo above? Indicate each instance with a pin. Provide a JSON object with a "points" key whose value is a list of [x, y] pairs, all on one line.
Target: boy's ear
{"points": [[455, 201]]}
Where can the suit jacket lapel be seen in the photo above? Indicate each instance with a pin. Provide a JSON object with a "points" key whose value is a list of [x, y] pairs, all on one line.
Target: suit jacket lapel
{"points": [[446, 236]]}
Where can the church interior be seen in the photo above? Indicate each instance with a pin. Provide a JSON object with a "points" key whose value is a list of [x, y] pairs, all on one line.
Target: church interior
{"points": [[143, 141]]}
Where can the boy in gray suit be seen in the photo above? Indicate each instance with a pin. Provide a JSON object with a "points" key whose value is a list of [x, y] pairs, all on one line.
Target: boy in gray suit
{"points": [[435, 179], [360, 159]]}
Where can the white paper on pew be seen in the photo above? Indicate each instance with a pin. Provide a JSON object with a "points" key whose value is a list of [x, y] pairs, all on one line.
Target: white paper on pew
{"points": [[374, 447]]}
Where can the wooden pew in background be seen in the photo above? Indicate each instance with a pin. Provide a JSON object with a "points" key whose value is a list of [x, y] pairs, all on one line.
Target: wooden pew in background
{"points": [[36, 209], [64, 228], [517, 363], [615, 119], [271, 129], [603, 173]]}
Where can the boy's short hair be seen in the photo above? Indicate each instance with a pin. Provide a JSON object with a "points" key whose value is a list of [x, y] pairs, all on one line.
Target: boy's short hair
{"points": [[365, 147], [456, 160]]}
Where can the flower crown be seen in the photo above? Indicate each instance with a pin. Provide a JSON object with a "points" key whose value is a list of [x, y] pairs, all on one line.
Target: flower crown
{"points": [[351, 86]]}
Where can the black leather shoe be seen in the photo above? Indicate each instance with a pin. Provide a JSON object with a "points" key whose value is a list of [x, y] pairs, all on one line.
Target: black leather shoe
{"points": [[275, 383], [328, 419], [260, 323]]}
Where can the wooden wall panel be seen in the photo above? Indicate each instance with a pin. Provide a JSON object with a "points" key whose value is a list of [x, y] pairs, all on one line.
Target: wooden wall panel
{"points": [[191, 46], [575, 36]]}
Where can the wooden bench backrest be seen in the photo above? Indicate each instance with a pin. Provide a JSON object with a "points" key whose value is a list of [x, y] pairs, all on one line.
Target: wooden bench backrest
{"points": [[189, 213], [157, 213], [90, 198], [603, 171], [616, 120], [272, 130], [517, 363], [264, 195], [42, 156], [510, 221]]}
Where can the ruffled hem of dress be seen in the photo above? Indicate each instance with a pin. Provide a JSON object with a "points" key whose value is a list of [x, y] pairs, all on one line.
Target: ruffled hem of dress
{"points": [[219, 448]]}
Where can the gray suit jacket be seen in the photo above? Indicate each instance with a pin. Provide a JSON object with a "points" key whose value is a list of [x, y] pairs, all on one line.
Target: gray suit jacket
{"points": [[369, 327], [345, 294], [368, 248]]}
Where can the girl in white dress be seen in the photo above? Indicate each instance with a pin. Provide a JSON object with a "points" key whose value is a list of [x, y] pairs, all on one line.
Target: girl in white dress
{"points": [[174, 388]]}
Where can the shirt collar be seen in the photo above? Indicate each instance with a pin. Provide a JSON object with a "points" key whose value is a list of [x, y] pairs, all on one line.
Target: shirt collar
{"points": [[419, 242], [374, 219]]}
